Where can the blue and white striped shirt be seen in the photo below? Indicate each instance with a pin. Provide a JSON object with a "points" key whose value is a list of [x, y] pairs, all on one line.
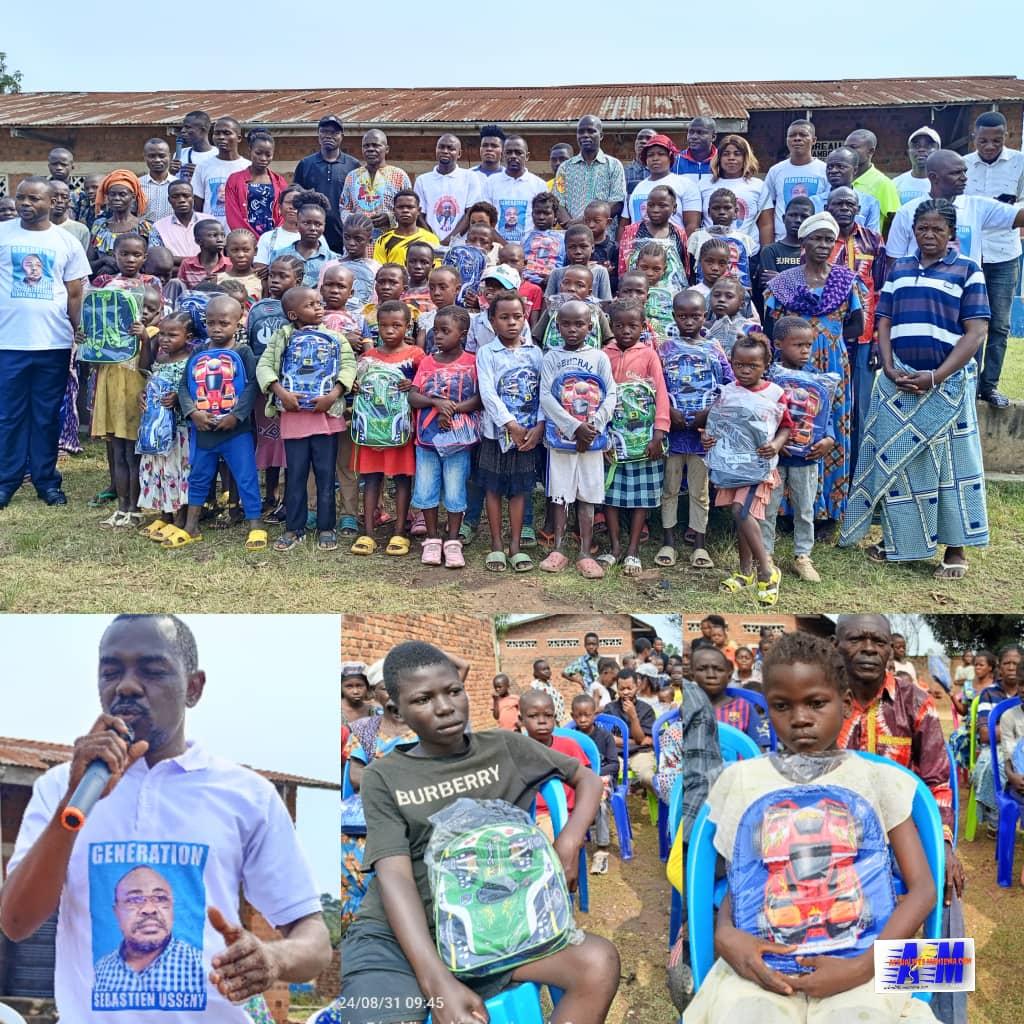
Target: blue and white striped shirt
{"points": [[929, 305]]}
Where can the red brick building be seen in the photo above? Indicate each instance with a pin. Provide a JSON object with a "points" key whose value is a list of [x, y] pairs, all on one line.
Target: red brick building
{"points": [[107, 130], [369, 637], [746, 629]]}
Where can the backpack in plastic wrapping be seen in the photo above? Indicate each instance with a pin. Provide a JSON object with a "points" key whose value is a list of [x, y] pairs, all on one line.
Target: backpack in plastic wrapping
{"points": [[107, 317], [500, 896], [811, 868], [632, 425], [381, 415], [580, 394], [519, 389], [741, 421], [810, 405], [553, 338], [469, 262], [693, 376], [156, 424], [310, 366], [265, 317], [458, 384]]}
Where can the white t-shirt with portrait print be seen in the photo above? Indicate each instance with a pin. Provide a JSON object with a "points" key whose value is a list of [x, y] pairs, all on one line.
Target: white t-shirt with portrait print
{"points": [[786, 180], [445, 197], [687, 197], [208, 183], [202, 829], [34, 269]]}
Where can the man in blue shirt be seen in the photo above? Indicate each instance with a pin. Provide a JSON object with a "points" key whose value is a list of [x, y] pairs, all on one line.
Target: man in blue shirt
{"points": [[694, 162]]}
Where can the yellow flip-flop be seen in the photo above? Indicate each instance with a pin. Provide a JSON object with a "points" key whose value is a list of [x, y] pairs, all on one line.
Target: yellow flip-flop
{"points": [[398, 546], [364, 546], [154, 528], [178, 538], [256, 541]]}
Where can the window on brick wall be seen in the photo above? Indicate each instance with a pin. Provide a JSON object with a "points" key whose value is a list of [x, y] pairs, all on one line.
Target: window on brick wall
{"points": [[822, 147], [693, 626], [564, 642], [611, 641], [778, 628], [520, 645], [4, 186]]}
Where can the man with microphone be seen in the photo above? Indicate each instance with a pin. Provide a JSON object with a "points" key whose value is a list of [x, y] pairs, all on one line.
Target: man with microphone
{"points": [[148, 868]]}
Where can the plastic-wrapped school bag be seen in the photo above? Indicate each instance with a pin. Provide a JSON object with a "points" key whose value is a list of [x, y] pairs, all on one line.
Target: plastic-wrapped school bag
{"points": [[195, 303], [810, 405], [381, 416], [580, 394], [216, 379], [552, 338], [156, 425], [1017, 757], [500, 898], [310, 365], [469, 261], [632, 425], [693, 376], [107, 316], [353, 820], [519, 389], [741, 421], [674, 277], [458, 385], [265, 317], [658, 310], [811, 868]]}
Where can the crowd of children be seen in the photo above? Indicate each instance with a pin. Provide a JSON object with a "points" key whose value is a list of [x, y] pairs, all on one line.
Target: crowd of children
{"points": [[793, 693], [615, 367]]}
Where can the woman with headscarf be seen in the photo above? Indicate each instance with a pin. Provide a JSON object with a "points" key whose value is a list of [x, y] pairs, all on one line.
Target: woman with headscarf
{"points": [[120, 210], [827, 295], [657, 155], [919, 465]]}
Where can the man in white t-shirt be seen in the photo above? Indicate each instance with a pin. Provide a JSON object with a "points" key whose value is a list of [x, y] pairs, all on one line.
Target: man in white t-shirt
{"points": [[511, 191], [194, 145], [921, 144], [448, 190], [801, 175], [42, 273], [211, 176], [148, 885]]}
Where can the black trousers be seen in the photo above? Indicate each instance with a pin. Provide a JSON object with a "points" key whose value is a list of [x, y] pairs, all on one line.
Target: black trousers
{"points": [[319, 452]]}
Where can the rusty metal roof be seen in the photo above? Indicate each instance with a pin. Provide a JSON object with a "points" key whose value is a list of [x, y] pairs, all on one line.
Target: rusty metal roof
{"points": [[521, 105], [41, 756]]}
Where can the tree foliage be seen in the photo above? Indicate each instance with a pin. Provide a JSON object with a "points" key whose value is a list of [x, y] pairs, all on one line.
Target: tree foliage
{"points": [[10, 81], [959, 632]]}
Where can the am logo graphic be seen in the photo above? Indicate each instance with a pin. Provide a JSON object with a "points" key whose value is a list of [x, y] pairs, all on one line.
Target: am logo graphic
{"points": [[924, 965]]}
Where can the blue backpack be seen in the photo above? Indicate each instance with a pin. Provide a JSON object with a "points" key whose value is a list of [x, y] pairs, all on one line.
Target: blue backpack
{"points": [[470, 262], [265, 317], [457, 386], [519, 389], [107, 317], [810, 396], [156, 425], [580, 394], [195, 303], [310, 365], [216, 379], [693, 376]]}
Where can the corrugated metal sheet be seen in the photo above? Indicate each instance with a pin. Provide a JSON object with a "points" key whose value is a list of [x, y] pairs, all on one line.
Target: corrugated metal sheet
{"points": [[612, 103]]}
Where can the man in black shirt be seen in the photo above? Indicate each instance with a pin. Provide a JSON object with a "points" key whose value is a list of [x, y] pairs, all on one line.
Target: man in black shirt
{"points": [[325, 171]]}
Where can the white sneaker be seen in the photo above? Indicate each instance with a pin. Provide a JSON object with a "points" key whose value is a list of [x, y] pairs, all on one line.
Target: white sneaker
{"points": [[804, 568], [599, 865]]}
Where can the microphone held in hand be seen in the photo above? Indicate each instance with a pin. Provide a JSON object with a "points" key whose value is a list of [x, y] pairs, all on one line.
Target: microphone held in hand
{"points": [[88, 791]]}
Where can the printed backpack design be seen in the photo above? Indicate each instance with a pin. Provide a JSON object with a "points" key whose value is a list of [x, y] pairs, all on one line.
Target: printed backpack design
{"points": [[693, 377], [553, 339], [500, 898], [632, 426], [310, 366], [469, 262], [811, 869], [580, 394], [265, 317], [107, 317], [381, 417], [195, 303], [810, 405], [457, 385], [741, 421], [519, 389], [216, 380], [156, 425]]}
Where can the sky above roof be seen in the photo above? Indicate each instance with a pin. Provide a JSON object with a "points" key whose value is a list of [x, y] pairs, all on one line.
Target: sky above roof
{"points": [[412, 47]]}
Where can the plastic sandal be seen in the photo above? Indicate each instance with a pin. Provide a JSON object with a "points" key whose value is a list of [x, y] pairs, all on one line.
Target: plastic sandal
{"points": [[768, 593], [163, 534], [364, 546], [348, 526], [256, 541], [453, 556], [288, 541], [103, 498], [467, 533], [632, 566], [738, 581], [527, 538], [153, 528], [116, 521], [418, 526], [398, 546], [178, 538], [327, 540], [496, 562], [276, 515], [521, 562], [666, 556], [607, 560], [555, 562], [589, 569], [431, 554], [700, 559]]}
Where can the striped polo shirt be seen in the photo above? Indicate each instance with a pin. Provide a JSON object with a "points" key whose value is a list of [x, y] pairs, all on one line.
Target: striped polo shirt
{"points": [[928, 306]]}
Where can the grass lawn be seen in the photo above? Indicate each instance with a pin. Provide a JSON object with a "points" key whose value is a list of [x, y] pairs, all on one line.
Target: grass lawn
{"points": [[1011, 382], [59, 560]]}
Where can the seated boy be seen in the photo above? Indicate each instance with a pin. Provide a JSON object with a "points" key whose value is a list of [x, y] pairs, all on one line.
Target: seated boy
{"points": [[639, 718], [389, 948], [584, 711]]}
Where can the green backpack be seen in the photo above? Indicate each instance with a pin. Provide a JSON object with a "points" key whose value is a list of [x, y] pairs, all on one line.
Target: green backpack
{"points": [[107, 316], [632, 425]]}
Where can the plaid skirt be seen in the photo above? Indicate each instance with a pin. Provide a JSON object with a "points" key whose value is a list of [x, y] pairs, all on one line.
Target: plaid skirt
{"points": [[636, 484]]}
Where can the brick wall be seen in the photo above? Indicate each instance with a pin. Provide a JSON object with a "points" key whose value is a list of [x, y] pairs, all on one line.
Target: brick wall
{"points": [[13, 802], [744, 629], [546, 637], [369, 637], [328, 984]]}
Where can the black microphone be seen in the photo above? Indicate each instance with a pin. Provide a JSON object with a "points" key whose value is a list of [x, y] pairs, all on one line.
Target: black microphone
{"points": [[88, 791]]}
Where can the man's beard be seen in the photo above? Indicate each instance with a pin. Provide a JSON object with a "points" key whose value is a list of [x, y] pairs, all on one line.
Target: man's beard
{"points": [[144, 948]]}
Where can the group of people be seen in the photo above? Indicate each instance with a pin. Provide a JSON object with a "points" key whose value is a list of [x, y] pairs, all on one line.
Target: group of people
{"points": [[617, 335], [411, 749]]}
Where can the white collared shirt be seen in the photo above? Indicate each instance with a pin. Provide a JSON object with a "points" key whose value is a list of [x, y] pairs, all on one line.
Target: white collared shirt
{"points": [[1004, 176], [207, 827]]}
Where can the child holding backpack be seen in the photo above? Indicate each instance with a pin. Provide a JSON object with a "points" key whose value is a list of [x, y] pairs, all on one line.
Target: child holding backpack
{"points": [[307, 368]]}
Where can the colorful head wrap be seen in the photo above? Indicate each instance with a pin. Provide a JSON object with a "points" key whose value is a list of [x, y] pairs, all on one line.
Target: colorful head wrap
{"points": [[121, 177], [659, 140]]}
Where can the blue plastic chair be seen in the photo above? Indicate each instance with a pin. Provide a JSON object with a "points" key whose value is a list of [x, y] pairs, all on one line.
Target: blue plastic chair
{"points": [[620, 792], [590, 749], [1008, 808], [757, 699], [701, 858], [954, 785], [346, 784]]}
